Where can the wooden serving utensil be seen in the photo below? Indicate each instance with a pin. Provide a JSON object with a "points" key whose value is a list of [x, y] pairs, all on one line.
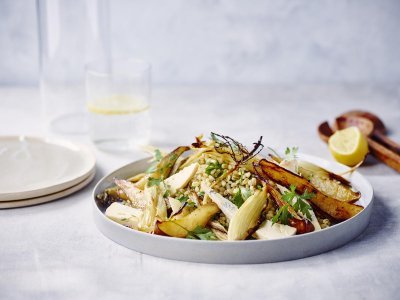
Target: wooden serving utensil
{"points": [[379, 129], [389, 157], [366, 126], [325, 131]]}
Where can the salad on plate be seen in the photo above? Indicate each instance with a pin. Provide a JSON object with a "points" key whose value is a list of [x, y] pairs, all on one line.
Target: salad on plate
{"points": [[217, 189]]}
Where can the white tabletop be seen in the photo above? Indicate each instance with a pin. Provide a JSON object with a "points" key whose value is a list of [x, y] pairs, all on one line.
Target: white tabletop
{"points": [[54, 250]]}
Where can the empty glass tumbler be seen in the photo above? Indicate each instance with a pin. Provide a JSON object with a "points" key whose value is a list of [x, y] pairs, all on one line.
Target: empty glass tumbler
{"points": [[118, 103]]}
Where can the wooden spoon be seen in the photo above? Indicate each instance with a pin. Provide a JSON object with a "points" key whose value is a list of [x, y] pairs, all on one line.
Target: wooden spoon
{"points": [[379, 128], [325, 131], [386, 155]]}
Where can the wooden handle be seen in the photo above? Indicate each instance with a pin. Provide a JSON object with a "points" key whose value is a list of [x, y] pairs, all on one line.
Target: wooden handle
{"points": [[325, 131], [387, 142], [385, 155]]}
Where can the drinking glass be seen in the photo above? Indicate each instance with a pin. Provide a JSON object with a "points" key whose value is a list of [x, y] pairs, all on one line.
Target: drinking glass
{"points": [[118, 102]]}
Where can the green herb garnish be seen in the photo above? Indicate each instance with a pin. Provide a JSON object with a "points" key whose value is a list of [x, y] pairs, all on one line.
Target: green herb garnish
{"points": [[238, 199], [217, 166], [154, 181], [282, 215], [167, 193], [201, 194], [157, 158], [182, 198], [300, 204], [291, 153], [190, 204], [201, 233]]}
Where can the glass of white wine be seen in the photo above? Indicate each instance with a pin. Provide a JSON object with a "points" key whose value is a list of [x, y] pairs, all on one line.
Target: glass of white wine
{"points": [[118, 102]]}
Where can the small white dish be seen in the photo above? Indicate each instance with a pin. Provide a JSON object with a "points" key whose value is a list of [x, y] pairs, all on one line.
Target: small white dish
{"points": [[47, 198], [32, 167], [237, 252]]}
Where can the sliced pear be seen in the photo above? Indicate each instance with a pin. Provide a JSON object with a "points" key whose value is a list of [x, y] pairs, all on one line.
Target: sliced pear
{"points": [[181, 227], [247, 215], [227, 207], [182, 178], [124, 215], [269, 231]]}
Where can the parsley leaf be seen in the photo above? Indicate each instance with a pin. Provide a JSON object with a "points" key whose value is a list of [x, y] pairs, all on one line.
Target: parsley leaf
{"points": [[289, 196], [291, 153], [238, 199], [157, 158], [217, 166], [167, 193], [190, 204], [182, 198], [282, 215], [299, 202], [201, 233], [153, 181]]}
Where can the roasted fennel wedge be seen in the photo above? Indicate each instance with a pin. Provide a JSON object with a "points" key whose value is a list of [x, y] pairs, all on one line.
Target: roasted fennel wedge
{"points": [[339, 210], [247, 216], [327, 182]]}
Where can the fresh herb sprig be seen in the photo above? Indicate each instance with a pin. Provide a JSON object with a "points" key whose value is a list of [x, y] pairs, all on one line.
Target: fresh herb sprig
{"points": [[157, 158], [216, 167], [182, 198], [300, 204], [201, 233], [238, 199], [291, 153], [154, 181], [282, 215]]}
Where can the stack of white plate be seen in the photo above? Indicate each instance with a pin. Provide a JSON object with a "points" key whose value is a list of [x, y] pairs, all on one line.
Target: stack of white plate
{"points": [[38, 170]]}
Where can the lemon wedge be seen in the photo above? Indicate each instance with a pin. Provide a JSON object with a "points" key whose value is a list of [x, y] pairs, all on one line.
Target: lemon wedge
{"points": [[348, 146], [117, 105]]}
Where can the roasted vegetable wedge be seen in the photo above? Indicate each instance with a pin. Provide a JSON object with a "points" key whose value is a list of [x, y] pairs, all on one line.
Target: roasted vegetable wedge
{"points": [[166, 164], [338, 210], [301, 224], [181, 227], [327, 182], [247, 216]]}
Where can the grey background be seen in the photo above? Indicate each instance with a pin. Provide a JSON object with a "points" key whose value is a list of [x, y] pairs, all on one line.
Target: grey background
{"points": [[229, 42]]}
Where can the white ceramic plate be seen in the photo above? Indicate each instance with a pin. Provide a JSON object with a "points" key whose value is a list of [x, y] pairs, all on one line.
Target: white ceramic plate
{"points": [[33, 167], [237, 252], [49, 197]]}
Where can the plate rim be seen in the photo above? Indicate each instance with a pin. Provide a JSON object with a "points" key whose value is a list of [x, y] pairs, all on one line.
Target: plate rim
{"points": [[50, 197], [88, 155], [189, 241]]}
